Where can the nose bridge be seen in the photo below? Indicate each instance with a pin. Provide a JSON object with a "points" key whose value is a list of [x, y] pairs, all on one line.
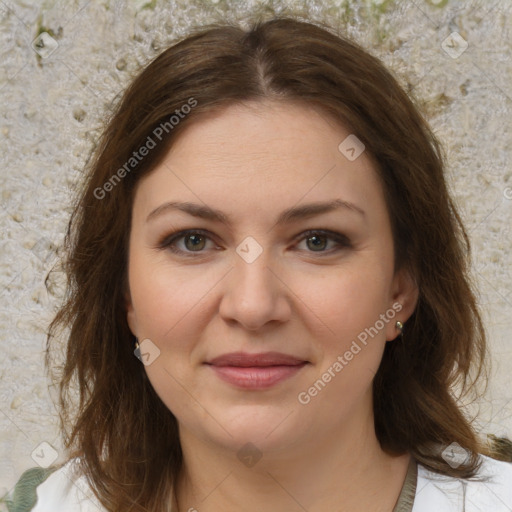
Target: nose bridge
{"points": [[254, 294], [252, 267]]}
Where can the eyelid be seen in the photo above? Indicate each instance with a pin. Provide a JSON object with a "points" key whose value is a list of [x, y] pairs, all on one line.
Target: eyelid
{"points": [[332, 235], [166, 242]]}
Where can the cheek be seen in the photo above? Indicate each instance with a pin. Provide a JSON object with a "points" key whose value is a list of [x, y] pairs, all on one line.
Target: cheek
{"points": [[169, 311], [164, 295], [351, 336], [350, 339], [346, 300]]}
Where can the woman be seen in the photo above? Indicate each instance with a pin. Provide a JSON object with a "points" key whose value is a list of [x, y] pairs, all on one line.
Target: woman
{"points": [[266, 226]]}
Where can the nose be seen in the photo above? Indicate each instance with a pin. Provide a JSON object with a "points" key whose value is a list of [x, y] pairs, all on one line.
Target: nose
{"points": [[255, 294]]}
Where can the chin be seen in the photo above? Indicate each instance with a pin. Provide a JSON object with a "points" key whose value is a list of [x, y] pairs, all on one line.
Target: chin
{"points": [[267, 428]]}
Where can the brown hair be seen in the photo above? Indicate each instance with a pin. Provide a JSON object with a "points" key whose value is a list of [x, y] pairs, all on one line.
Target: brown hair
{"points": [[125, 436]]}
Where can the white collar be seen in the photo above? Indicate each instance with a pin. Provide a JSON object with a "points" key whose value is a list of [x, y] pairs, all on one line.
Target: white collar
{"points": [[441, 493], [434, 492]]}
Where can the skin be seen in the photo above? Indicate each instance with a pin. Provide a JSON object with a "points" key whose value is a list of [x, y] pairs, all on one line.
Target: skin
{"points": [[309, 300]]}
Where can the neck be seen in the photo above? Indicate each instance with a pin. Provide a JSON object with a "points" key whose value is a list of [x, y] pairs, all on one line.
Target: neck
{"points": [[344, 471]]}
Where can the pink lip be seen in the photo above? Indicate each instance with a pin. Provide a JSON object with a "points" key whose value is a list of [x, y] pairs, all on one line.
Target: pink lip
{"points": [[256, 371]]}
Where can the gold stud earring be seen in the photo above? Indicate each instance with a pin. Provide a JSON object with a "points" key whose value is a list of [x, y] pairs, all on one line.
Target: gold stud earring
{"points": [[400, 326]]}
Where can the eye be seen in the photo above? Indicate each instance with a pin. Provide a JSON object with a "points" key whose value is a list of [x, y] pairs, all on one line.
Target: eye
{"points": [[195, 241], [318, 240]]}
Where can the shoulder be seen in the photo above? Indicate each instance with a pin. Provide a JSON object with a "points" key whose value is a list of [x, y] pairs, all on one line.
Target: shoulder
{"points": [[55, 490], [491, 489]]}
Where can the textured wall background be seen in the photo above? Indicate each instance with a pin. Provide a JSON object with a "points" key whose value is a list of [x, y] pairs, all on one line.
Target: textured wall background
{"points": [[54, 96]]}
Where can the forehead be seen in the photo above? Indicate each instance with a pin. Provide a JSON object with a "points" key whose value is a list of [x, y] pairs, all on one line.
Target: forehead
{"points": [[259, 129], [262, 155]]}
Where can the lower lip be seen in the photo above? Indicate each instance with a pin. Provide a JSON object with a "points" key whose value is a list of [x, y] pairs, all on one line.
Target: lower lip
{"points": [[256, 377]]}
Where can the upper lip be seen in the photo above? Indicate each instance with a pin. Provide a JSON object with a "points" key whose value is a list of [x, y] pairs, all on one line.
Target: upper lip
{"points": [[245, 359]]}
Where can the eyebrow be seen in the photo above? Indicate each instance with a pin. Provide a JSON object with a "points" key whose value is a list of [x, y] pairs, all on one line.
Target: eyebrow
{"points": [[291, 214]]}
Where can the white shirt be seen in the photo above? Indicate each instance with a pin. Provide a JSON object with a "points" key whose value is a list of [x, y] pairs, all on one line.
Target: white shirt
{"points": [[447, 494], [63, 492]]}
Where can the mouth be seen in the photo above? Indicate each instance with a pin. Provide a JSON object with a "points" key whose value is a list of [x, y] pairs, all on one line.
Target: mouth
{"points": [[256, 371]]}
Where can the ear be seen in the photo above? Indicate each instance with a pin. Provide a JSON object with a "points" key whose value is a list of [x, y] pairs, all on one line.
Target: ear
{"points": [[405, 293], [130, 313]]}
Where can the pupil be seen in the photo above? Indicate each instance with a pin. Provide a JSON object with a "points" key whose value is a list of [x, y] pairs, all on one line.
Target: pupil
{"points": [[316, 240], [195, 240]]}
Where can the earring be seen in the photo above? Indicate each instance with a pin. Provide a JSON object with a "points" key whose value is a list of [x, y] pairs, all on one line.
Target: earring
{"points": [[400, 326], [136, 352]]}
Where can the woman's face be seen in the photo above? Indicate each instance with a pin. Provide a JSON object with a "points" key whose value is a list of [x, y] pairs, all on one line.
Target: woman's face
{"points": [[269, 266]]}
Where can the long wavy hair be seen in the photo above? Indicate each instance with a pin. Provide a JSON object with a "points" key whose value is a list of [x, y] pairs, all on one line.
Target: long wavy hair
{"points": [[111, 419]]}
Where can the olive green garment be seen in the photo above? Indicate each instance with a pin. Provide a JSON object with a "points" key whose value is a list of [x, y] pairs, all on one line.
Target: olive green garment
{"points": [[24, 496]]}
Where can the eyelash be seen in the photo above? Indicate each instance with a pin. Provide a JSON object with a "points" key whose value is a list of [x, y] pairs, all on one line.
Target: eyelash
{"points": [[169, 240]]}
